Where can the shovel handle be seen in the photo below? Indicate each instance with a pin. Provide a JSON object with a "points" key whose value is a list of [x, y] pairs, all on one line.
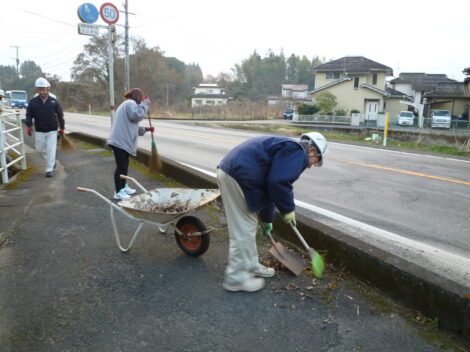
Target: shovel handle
{"points": [[266, 234]]}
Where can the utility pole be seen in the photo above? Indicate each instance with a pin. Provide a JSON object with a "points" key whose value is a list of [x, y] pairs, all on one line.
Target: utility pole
{"points": [[167, 95], [126, 45], [17, 61]]}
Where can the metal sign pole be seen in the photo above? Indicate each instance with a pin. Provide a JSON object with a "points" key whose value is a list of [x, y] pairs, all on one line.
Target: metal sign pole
{"points": [[111, 71]]}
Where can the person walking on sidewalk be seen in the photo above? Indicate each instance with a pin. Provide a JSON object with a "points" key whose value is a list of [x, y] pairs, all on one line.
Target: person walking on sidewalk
{"points": [[254, 178], [123, 138], [48, 116]]}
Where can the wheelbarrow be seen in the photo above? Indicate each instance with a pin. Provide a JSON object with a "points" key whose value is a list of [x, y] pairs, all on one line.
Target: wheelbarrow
{"points": [[163, 207]]}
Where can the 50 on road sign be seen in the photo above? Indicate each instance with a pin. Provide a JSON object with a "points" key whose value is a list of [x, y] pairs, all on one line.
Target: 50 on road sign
{"points": [[109, 13]]}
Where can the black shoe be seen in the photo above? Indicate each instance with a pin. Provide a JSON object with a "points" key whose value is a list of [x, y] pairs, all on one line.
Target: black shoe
{"points": [[55, 164], [49, 174]]}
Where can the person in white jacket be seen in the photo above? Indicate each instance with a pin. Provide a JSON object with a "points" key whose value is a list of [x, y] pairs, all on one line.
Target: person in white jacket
{"points": [[123, 138]]}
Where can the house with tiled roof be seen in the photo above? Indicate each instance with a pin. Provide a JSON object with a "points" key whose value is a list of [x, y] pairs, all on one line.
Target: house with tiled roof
{"points": [[451, 96], [208, 94], [291, 95], [394, 102], [357, 82], [416, 84]]}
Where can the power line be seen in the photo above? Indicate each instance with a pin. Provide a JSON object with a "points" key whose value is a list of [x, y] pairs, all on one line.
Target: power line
{"points": [[48, 18]]}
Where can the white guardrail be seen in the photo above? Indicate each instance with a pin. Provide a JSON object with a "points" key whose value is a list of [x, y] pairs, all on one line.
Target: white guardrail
{"points": [[11, 143]]}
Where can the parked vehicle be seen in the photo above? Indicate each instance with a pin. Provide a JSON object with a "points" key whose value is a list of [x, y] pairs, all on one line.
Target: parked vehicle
{"points": [[405, 118], [16, 99], [288, 114], [440, 119]]}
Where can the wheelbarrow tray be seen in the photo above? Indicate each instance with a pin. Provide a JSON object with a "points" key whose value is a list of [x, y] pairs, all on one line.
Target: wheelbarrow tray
{"points": [[162, 205]]}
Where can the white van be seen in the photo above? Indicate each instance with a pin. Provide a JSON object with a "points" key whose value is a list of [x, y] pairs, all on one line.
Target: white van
{"points": [[440, 119], [405, 118]]}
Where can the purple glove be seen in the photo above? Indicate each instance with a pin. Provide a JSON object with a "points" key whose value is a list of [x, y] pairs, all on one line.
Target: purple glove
{"points": [[28, 131], [150, 129]]}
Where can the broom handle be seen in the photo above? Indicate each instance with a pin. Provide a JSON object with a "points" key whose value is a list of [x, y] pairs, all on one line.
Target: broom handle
{"points": [[150, 123], [57, 120], [307, 247]]}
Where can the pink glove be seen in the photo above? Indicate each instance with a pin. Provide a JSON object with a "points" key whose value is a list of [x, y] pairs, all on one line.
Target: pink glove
{"points": [[61, 132], [28, 131], [150, 129], [146, 100]]}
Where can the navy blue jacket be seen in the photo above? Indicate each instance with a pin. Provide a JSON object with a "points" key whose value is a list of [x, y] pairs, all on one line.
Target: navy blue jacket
{"points": [[44, 114], [265, 168]]}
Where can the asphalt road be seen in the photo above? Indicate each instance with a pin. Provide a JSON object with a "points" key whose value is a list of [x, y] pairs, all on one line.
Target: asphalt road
{"points": [[420, 197], [65, 286]]}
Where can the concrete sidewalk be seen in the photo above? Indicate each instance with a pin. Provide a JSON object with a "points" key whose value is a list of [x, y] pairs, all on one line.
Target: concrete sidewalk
{"points": [[65, 286]]}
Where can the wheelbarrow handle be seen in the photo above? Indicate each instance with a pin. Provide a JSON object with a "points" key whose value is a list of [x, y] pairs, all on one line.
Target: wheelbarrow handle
{"points": [[124, 177], [81, 189]]}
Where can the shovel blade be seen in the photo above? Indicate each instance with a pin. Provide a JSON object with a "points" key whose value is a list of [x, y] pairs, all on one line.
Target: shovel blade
{"points": [[292, 262]]}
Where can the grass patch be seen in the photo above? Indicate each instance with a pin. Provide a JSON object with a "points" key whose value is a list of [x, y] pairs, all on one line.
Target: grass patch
{"points": [[144, 170], [21, 177]]}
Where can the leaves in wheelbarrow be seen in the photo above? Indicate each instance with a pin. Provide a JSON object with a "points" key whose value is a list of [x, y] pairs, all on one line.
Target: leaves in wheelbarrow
{"points": [[174, 208], [147, 204]]}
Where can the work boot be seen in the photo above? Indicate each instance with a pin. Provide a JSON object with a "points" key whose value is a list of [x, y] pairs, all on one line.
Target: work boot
{"points": [[249, 285], [49, 174], [129, 190], [263, 271]]}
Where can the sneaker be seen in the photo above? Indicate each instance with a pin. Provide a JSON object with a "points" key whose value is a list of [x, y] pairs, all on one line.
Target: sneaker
{"points": [[49, 174], [129, 190], [121, 195], [263, 271], [250, 285]]}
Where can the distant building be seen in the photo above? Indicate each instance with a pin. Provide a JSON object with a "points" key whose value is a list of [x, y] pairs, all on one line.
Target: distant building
{"points": [[291, 95], [416, 84], [208, 94], [357, 82]]}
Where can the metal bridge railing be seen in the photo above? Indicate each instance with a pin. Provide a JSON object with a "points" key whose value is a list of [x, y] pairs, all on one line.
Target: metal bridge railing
{"points": [[11, 143]]}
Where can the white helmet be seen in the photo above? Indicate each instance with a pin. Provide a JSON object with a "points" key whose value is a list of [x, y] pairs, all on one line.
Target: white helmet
{"points": [[317, 140], [2, 93], [42, 83]]}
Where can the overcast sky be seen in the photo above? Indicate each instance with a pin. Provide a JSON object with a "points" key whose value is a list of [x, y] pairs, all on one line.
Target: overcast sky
{"points": [[408, 36]]}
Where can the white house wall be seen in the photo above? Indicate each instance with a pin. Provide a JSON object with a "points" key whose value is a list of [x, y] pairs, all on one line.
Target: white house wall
{"points": [[207, 101], [208, 91]]}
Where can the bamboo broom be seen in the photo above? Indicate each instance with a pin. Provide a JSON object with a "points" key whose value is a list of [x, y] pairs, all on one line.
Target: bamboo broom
{"points": [[65, 145], [155, 164]]}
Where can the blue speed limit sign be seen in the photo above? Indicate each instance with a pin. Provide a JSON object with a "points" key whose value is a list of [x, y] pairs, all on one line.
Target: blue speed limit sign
{"points": [[109, 13]]}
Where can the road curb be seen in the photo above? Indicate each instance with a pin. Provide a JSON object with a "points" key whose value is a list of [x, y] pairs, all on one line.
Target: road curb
{"points": [[416, 287]]}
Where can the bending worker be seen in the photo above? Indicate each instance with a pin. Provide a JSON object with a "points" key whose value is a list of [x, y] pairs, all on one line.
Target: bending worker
{"points": [[48, 116], [254, 178]]}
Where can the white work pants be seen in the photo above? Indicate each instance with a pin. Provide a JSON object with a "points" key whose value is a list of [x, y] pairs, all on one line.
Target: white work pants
{"points": [[46, 144], [242, 227]]}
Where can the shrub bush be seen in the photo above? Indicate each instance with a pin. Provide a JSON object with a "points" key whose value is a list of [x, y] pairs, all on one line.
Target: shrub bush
{"points": [[307, 109], [341, 112]]}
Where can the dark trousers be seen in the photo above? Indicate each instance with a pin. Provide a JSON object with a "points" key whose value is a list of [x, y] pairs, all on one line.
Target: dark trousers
{"points": [[122, 165]]}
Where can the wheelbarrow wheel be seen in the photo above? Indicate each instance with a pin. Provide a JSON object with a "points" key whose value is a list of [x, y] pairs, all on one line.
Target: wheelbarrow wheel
{"points": [[192, 245]]}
